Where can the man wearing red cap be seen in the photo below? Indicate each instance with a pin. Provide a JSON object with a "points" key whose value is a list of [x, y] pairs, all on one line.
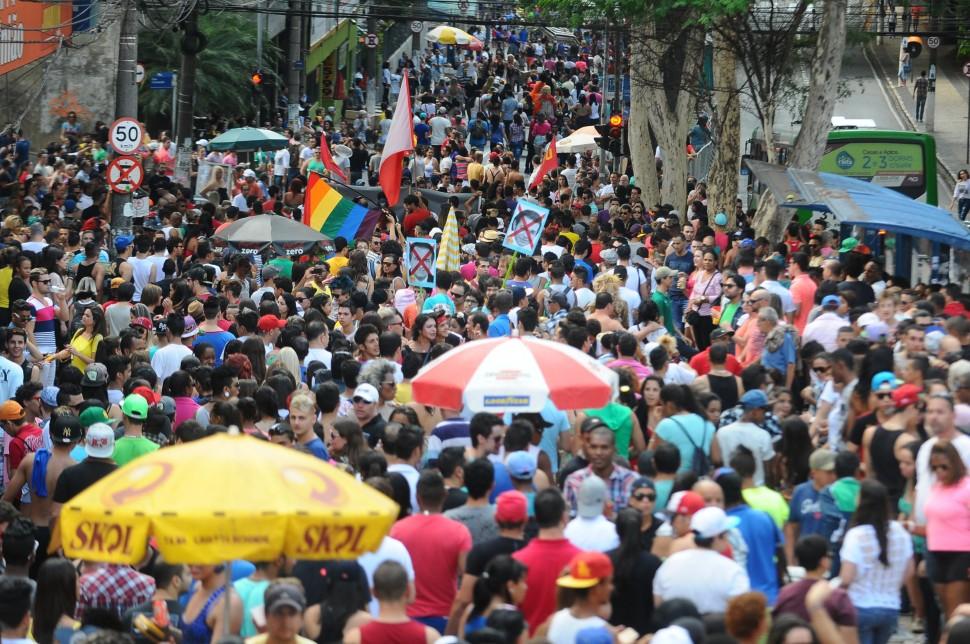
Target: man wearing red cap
{"points": [[590, 580], [269, 330], [675, 535]]}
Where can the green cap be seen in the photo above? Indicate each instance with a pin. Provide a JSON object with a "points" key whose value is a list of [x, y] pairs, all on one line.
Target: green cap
{"points": [[848, 245], [93, 415], [135, 406]]}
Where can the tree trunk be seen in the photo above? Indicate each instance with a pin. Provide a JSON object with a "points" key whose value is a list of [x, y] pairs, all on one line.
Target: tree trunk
{"points": [[817, 120], [723, 178], [638, 135], [663, 101]]}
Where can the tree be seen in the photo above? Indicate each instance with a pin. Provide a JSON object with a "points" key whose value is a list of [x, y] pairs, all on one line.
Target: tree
{"points": [[817, 119], [222, 68], [723, 178]]}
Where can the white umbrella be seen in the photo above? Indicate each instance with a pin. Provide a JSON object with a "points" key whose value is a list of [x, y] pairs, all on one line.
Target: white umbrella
{"points": [[581, 140]]}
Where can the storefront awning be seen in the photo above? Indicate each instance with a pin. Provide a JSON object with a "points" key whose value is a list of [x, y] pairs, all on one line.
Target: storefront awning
{"points": [[328, 43], [860, 203]]}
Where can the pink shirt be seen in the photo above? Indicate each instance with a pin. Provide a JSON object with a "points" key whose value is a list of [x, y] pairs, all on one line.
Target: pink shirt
{"points": [[948, 517], [185, 409], [435, 544], [803, 295]]}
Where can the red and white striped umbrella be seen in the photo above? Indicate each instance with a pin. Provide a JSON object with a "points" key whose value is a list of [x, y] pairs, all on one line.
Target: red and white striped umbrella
{"points": [[514, 375]]}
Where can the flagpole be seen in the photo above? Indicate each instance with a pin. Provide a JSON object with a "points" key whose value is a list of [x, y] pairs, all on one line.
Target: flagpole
{"points": [[348, 186]]}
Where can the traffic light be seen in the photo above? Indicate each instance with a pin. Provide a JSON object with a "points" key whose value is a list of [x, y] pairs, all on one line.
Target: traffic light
{"points": [[256, 78], [611, 135]]}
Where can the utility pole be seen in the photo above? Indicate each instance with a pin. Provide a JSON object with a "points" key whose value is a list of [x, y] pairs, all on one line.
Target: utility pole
{"points": [[293, 59], [126, 98], [929, 116], [259, 57], [192, 44], [373, 80], [606, 57]]}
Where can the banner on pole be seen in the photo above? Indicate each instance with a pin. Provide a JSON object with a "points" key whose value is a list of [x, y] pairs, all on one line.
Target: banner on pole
{"points": [[525, 227], [421, 258]]}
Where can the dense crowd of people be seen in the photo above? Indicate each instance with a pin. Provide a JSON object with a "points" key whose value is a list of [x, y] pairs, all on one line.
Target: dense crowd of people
{"points": [[786, 413]]}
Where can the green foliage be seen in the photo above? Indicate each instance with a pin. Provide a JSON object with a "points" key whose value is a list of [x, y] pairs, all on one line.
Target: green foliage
{"points": [[222, 69], [686, 12]]}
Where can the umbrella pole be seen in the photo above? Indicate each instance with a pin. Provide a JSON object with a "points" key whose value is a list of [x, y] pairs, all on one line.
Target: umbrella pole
{"points": [[226, 602]]}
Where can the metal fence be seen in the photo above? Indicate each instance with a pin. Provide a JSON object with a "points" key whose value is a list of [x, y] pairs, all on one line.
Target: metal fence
{"points": [[700, 166]]}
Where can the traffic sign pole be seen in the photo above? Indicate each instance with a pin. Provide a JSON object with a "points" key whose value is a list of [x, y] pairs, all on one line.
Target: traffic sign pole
{"points": [[966, 72]]}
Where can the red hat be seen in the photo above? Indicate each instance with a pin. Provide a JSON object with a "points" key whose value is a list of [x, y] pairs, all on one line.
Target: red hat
{"points": [[686, 503], [270, 322], [906, 395], [586, 570], [144, 323], [91, 224], [511, 507], [150, 396]]}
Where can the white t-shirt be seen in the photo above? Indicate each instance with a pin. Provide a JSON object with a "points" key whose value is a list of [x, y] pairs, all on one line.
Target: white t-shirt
{"points": [[730, 437], [584, 297], [239, 201], [281, 162], [390, 550], [876, 585], [439, 129], [707, 578], [564, 627], [320, 355], [168, 359], [925, 479], [141, 270], [838, 412], [597, 534]]}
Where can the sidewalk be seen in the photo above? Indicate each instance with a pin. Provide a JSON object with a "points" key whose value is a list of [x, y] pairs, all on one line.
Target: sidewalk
{"points": [[950, 128]]}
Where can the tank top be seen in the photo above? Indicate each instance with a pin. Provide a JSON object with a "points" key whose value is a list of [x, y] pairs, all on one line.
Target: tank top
{"points": [[141, 269], [197, 631], [84, 270], [884, 461], [401, 633], [726, 388]]}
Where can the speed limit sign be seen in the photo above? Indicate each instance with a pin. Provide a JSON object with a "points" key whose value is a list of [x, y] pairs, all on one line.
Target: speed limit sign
{"points": [[125, 135]]}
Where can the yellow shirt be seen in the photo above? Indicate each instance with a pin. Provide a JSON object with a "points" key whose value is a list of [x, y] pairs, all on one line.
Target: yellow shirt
{"points": [[403, 395], [6, 276], [86, 346], [336, 263], [767, 500], [476, 171]]}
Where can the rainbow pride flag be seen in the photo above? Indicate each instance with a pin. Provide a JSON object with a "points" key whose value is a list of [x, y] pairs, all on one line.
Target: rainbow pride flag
{"points": [[331, 213]]}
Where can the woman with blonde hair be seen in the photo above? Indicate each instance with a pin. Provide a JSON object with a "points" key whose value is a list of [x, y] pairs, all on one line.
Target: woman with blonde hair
{"points": [[214, 188], [609, 283], [288, 361]]}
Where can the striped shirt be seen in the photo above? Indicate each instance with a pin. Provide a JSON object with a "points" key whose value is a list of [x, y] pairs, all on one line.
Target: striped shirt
{"points": [[45, 324]]}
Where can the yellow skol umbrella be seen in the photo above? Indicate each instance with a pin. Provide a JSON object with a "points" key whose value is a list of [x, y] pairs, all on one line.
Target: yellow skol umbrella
{"points": [[445, 35], [222, 498], [448, 257]]}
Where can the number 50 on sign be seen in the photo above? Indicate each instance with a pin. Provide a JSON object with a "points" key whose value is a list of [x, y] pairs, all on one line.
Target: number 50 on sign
{"points": [[125, 135]]}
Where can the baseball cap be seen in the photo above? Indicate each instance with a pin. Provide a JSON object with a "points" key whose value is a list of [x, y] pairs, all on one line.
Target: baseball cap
{"points": [[848, 245], [747, 243], [719, 333], [906, 395], [122, 242], [521, 465], [685, 502], [609, 256], [586, 569], [94, 415], [142, 323], [711, 521], [885, 381], [150, 396], [269, 322], [560, 299], [117, 281], [367, 392], [281, 595], [48, 395], [663, 272], [435, 231], [754, 399], [135, 406], [11, 410], [876, 331], [66, 429], [99, 441], [191, 328], [591, 498], [168, 405], [822, 459], [511, 506], [720, 219], [831, 302], [95, 375], [248, 173]]}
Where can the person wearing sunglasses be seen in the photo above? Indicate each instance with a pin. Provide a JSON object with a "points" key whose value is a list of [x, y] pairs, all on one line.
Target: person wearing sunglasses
{"points": [[881, 442], [643, 497]]}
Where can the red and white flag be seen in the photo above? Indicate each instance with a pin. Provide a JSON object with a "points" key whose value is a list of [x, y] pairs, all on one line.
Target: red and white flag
{"points": [[550, 161], [400, 141], [328, 161]]}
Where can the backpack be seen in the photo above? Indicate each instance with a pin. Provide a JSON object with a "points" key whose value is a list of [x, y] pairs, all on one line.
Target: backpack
{"points": [[477, 131], [700, 462]]}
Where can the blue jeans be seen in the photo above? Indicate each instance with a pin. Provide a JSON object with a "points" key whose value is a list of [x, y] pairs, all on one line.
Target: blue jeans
{"points": [[437, 623], [876, 625], [678, 304]]}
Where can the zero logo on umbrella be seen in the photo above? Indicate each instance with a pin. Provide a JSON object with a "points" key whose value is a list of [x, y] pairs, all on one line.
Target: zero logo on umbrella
{"points": [[125, 174], [140, 481], [525, 227], [125, 135], [421, 261]]}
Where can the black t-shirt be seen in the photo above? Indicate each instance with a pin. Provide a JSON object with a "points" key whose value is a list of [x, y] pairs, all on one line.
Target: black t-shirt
{"points": [[631, 605], [174, 617], [374, 430], [864, 294], [859, 427], [77, 478], [483, 553], [454, 498]]}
